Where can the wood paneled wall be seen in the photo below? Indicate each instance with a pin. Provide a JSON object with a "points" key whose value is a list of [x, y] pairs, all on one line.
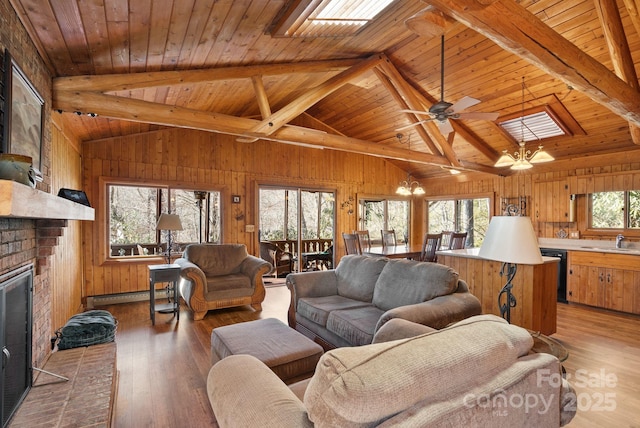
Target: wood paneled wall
{"points": [[194, 159], [66, 262], [580, 181]]}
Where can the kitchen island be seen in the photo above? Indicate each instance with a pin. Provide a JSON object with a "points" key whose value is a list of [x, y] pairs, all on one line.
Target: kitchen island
{"points": [[534, 287]]}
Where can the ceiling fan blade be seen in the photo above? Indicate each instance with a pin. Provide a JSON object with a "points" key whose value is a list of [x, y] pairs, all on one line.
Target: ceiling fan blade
{"points": [[413, 124], [478, 116], [415, 112], [462, 104], [445, 127]]}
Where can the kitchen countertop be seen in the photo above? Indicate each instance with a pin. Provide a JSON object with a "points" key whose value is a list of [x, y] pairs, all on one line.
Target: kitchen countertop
{"points": [[631, 248], [472, 253]]}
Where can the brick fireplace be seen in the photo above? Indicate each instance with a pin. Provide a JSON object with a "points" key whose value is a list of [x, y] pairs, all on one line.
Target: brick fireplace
{"points": [[19, 247]]}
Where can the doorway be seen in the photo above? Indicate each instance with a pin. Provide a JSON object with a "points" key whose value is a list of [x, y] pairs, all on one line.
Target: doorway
{"points": [[301, 222]]}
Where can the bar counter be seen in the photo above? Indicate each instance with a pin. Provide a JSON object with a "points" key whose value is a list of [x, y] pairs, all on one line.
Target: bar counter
{"points": [[534, 286]]}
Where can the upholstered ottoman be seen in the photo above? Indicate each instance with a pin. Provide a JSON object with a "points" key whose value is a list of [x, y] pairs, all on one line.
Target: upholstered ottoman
{"points": [[291, 355]]}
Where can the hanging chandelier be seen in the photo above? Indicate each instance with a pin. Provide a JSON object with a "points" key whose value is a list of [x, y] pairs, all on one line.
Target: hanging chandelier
{"points": [[523, 158], [410, 187]]}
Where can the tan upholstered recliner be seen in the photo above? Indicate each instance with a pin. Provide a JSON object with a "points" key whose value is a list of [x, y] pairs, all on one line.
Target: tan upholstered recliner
{"points": [[218, 276]]}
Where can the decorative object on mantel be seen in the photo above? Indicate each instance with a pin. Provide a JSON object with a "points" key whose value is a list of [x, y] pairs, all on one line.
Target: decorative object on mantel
{"points": [[510, 240], [169, 222], [523, 158], [409, 187], [18, 168], [348, 204], [74, 195]]}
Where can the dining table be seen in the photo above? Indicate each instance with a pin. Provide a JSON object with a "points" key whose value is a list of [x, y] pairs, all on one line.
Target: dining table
{"points": [[402, 251]]}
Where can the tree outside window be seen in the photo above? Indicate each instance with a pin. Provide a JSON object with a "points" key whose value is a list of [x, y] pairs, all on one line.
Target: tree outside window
{"points": [[460, 215], [134, 211], [608, 210], [385, 214]]}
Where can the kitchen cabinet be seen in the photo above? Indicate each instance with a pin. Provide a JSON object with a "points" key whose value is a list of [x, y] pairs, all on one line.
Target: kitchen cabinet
{"points": [[552, 201], [604, 280]]}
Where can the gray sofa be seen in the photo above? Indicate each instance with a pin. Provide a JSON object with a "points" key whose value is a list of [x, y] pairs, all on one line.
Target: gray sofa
{"points": [[346, 306], [478, 372]]}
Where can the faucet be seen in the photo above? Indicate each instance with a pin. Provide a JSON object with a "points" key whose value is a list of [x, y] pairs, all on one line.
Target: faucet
{"points": [[619, 239]]}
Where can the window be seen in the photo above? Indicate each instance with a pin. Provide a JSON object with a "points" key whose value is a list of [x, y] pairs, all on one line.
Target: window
{"points": [[326, 18], [285, 211], [134, 211], [460, 215], [385, 214], [608, 210]]}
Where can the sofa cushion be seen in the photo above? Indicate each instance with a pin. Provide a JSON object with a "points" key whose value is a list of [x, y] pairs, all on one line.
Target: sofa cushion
{"points": [[357, 276], [216, 259], [362, 386], [355, 325], [406, 282], [317, 309]]}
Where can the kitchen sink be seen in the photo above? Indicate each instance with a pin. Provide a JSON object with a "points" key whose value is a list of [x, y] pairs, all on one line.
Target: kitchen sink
{"points": [[609, 249]]}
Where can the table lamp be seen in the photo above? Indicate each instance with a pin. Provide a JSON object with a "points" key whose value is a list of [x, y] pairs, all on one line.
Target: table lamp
{"points": [[511, 240], [169, 222]]}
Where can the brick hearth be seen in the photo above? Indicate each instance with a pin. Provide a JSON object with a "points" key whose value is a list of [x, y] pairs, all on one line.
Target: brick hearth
{"points": [[85, 400]]}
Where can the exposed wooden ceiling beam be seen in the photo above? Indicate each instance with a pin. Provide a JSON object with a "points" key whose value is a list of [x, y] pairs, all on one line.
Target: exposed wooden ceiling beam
{"points": [[429, 22], [161, 114], [130, 81], [522, 33], [618, 49], [275, 121], [634, 13]]}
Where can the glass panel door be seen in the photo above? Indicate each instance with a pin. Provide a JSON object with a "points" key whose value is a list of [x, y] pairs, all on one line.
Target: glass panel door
{"points": [[301, 222]]}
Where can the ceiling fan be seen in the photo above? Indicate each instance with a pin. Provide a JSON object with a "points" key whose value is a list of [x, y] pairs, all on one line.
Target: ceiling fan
{"points": [[442, 111]]}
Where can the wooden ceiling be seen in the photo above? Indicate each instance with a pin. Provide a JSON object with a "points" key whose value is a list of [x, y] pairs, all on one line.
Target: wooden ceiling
{"points": [[141, 65]]}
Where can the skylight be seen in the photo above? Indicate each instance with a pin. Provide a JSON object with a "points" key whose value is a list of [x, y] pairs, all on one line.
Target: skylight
{"points": [[532, 127], [327, 18]]}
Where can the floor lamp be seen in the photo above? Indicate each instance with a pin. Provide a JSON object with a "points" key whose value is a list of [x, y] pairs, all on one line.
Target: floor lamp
{"points": [[169, 222], [511, 240]]}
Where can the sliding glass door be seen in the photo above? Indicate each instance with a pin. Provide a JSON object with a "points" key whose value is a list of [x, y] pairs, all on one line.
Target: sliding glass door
{"points": [[301, 222]]}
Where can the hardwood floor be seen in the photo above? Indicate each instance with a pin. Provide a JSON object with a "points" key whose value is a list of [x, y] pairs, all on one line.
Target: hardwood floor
{"points": [[163, 368]]}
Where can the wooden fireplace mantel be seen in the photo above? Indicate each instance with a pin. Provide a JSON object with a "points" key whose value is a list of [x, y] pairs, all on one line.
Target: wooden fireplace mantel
{"points": [[20, 201]]}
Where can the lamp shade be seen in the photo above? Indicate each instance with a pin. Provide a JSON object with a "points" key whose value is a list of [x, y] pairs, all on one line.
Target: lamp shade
{"points": [[169, 222], [511, 239]]}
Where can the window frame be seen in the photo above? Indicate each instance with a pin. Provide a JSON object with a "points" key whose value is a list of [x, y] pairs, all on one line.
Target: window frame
{"points": [[102, 244], [625, 215], [374, 235], [455, 199]]}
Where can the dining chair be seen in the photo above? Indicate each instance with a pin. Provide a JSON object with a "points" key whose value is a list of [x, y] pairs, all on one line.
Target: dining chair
{"points": [[351, 243], [388, 238], [430, 245], [364, 239], [446, 240], [458, 240]]}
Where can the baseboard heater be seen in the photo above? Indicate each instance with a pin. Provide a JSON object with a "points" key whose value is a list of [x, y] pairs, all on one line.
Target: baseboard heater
{"points": [[114, 299]]}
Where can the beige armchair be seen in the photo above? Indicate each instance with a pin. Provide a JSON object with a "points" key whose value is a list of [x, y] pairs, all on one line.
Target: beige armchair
{"points": [[215, 276]]}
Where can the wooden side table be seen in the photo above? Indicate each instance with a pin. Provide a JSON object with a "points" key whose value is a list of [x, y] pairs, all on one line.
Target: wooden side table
{"points": [[166, 273]]}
